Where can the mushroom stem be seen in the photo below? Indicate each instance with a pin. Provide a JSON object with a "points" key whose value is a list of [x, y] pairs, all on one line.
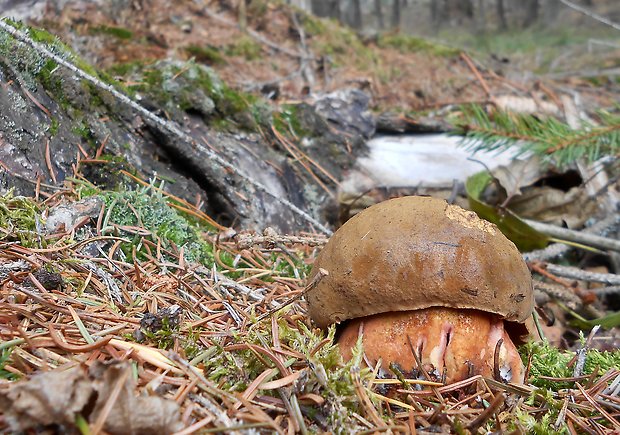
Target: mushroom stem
{"points": [[457, 343]]}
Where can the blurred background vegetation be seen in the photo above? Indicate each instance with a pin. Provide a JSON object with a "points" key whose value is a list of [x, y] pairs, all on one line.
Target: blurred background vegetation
{"points": [[545, 36]]}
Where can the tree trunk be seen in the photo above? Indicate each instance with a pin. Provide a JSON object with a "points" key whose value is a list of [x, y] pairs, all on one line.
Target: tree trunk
{"points": [[379, 14], [501, 15], [531, 13], [480, 17], [434, 12], [334, 9], [357, 14], [320, 8], [242, 15], [395, 14]]}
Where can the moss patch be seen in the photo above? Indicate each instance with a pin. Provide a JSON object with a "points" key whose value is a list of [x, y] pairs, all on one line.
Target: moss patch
{"points": [[205, 54], [117, 32], [148, 209], [245, 47], [411, 44]]}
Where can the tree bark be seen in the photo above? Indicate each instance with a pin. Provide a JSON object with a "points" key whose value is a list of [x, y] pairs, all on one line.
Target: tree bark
{"points": [[531, 13], [379, 15], [501, 15], [357, 14], [434, 12], [395, 13]]}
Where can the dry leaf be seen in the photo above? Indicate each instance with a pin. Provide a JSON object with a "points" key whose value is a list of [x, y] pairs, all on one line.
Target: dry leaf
{"points": [[54, 397], [131, 414], [57, 397]]}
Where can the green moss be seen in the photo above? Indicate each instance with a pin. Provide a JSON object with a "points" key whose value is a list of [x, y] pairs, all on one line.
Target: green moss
{"points": [[287, 121], [35, 67], [411, 44], [148, 209], [53, 128], [117, 32], [83, 130], [313, 25], [205, 54], [19, 216], [4, 359], [189, 86], [245, 47], [125, 68], [552, 362]]}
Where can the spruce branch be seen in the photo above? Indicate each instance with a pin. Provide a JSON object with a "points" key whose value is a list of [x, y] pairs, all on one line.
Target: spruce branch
{"points": [[549, 138]]}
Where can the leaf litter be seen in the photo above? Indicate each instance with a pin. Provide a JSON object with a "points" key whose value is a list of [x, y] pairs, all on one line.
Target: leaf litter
{"points": [[117, 331]]}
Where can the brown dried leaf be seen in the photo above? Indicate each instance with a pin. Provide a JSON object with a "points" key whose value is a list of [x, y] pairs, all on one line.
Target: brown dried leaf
{"points": [[57, 397], [53, 397], [131, 414]]}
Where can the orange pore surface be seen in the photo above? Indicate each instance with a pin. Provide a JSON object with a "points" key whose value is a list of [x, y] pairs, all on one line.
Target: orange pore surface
{"points": [[457, 343]]}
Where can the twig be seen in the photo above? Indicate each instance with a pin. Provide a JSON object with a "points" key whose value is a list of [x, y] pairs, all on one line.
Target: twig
{"points": [[557, 250], [591, 14], [582, 352], [604, 291], [583, 275], [484, 416], [575, 236], [557, 292], [253, 34], [312, 284], [271, 239], [305, 61], [474, 70]]}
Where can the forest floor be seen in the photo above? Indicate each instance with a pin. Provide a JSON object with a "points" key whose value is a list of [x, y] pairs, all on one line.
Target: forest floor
{"points": [[132, 311]]}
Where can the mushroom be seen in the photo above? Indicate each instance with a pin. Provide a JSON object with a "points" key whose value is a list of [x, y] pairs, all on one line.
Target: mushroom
{"points": [[418, 275]]}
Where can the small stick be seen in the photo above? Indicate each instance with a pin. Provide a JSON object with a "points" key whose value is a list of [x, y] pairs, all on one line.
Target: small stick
{"points": [[498, 348], [495, 404], [473, 69], [312, 284]]}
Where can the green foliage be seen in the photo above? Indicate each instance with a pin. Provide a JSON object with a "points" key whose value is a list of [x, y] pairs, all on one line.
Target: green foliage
{"points": [[117, 32], [525, 237], [245, 47], [205, 54], [542, 426], [552, 362], [286, 120], [549, 138], [18, 217], [4, 358], [192, 86], [148, 209], [168, 335], [411, 44]]}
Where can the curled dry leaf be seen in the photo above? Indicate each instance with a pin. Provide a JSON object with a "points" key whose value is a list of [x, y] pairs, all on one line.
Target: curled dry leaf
{"points": [[54, 397], [57, 397]]}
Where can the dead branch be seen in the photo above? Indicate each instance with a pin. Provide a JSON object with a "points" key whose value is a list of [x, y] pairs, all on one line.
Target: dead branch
{"points": [[557, 250], [583, 275], [255, 35], [581, 237], [271, 239], [593, 15]]}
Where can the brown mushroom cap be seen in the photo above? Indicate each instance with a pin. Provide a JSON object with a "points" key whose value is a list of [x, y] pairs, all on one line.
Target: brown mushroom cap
{"points": [[417, 252]]}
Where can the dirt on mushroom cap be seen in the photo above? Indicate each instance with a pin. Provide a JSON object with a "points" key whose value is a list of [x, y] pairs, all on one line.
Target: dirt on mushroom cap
{"points": [[417, 252]]}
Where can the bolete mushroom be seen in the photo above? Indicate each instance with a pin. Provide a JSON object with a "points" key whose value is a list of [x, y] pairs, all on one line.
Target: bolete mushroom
{"points": [[416, 274]]}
